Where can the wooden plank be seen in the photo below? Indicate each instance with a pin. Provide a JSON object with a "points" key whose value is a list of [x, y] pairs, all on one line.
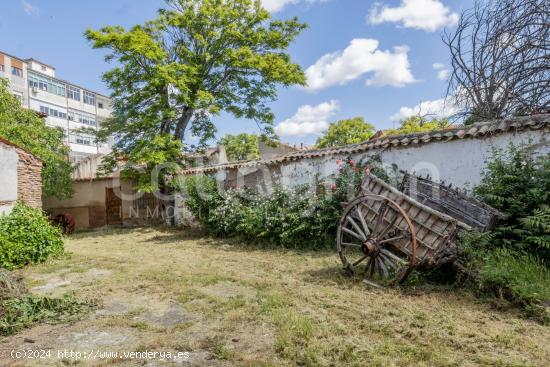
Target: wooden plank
{"points": [[449, 201]]}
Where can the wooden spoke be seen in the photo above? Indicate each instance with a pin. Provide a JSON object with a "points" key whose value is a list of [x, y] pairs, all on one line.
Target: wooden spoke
{"points": [[385, 272], [362, 220], [372, 284], [357, 228], [351, 244], [390, 240], [372, 268], [356, 235], [360, 260], [365, 223], [389, 261], [380, 217], [393, 257]]}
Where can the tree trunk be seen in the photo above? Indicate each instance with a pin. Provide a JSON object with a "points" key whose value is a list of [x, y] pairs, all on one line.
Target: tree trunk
{"points": [[183, 121]]}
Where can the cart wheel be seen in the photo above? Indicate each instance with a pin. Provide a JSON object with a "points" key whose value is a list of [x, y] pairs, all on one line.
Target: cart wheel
{"points": [[376, 237]]}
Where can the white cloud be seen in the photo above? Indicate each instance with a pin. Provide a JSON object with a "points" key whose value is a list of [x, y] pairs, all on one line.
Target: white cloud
{"points": [[277, 5], [308, 120], [428, 15], [29, 8], [438, 108], [442, 72], [360, 57]]}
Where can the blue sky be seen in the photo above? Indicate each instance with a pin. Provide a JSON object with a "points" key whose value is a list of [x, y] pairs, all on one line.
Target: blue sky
{"points": [[396, 61]]}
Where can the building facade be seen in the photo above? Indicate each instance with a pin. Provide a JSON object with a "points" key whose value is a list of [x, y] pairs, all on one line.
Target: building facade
{"points": [[64, 104]]}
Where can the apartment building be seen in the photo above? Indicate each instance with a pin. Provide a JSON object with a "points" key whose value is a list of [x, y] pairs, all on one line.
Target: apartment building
{"points": [[64, 104]]}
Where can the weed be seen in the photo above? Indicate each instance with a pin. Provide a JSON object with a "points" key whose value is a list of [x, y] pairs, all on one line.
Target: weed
{"points": [[19, 313], [221, 351]]}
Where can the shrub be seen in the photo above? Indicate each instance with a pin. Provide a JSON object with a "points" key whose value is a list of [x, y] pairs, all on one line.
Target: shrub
{"points": [[303, 217], [512, 261], [517, 182], [201, 193], [508, 273], [26, 237]]}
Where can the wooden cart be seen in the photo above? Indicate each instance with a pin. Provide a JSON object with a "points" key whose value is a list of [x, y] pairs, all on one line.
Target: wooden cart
{"points": [[385, 233]]}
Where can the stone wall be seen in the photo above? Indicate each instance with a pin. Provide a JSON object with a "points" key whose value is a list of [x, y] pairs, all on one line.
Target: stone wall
{"points": [[29, 184]]}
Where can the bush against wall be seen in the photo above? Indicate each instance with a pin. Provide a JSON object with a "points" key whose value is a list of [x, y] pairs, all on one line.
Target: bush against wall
{"points": [[26, 237], [512, 261], [517, 182], [304, 217]]}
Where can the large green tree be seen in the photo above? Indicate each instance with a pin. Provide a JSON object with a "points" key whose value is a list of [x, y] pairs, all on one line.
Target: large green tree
{"points": [[240, 147], [195, 60], [26, 129], [345, 132], [418, 124]]}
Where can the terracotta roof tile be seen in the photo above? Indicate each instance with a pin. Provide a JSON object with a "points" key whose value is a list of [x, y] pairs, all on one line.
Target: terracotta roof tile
{"points": [[459, 132]]}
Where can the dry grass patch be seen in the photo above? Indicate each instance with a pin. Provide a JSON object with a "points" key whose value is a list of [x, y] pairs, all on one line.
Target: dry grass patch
{"points": [[232, 305]]}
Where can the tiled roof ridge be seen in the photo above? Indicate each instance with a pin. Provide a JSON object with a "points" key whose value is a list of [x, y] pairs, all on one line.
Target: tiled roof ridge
{"points": [[448, 134]]}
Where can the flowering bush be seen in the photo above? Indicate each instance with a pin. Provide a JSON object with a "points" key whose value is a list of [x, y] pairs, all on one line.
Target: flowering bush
{"points": [[303, 217]]}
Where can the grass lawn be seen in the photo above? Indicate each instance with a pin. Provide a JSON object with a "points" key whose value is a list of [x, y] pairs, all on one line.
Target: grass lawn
{"points": [[230, 305]]}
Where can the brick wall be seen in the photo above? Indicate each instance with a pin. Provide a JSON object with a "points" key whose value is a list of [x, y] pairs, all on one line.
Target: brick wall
{"points": [[29, 179]]}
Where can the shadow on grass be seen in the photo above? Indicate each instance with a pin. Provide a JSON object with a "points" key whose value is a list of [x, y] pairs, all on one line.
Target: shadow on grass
{"points": [[235, 244], [419, 283], [331, 275]]}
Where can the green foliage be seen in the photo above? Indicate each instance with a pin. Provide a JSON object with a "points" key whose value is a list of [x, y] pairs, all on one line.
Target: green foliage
{"points": [[346, 132], [241, 147], [202, 196], [508, 273], [517, 182], [195, 60], [417, 124], [26, 237], [304, 217], [19, 313], [26, 129], [512, 261]]}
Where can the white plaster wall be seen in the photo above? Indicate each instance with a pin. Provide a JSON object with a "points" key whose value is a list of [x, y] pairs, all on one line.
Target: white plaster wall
{"points": [[460, 162], [8, 177], [42, 68]]}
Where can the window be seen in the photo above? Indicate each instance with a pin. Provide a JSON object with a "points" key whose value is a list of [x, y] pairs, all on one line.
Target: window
{"points": [[46, 84], [100, 105], [16, 71], [1, 67], [79, 138], [53, 112], [82, 118], [89, 98], [73, 93], [76, 157]]}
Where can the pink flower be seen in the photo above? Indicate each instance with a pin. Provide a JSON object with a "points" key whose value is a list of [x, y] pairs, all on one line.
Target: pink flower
{"points": [[352, 162], [338, 161], [333, 187]]}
